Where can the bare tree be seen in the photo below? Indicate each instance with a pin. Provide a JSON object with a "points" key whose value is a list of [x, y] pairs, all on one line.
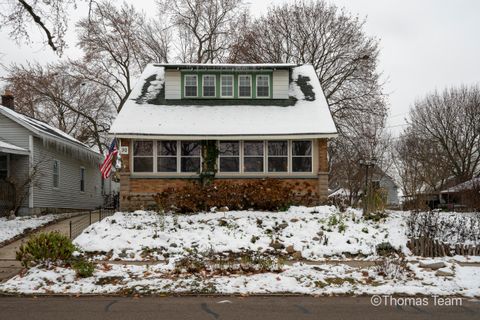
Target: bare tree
{"points": [[49, 93], [449, 123], [118, 42], [345, 60], [330, 39], [205, 28], [50, 17]]}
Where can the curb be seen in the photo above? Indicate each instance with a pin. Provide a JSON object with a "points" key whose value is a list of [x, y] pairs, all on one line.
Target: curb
{"points": [[213, 295]]}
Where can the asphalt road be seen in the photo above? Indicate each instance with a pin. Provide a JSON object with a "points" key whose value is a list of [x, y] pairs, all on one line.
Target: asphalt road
{"points": [[250, 308]]}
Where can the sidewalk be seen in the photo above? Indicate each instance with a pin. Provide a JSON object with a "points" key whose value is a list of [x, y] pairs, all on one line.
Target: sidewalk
{"points": [[9, 266]]}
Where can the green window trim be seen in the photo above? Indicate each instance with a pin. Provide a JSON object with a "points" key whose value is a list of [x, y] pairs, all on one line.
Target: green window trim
{"points": [[218, 85]]}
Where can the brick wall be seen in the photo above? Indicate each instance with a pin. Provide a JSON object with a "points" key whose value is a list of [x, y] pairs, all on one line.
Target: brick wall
{"points": [[137, 193]]}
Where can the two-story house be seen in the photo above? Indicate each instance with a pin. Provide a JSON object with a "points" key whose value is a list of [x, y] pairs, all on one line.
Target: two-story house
{"points": [[267, 120]]}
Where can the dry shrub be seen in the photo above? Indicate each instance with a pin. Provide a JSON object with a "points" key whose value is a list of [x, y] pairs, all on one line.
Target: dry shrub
{"points": [[264, 194]]}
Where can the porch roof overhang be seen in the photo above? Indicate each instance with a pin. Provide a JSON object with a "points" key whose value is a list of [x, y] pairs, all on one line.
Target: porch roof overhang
{"points": [[12, 149], [227, 136]]}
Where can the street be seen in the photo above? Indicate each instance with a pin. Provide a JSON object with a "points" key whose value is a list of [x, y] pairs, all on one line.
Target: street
{"points": [[198, 308]]}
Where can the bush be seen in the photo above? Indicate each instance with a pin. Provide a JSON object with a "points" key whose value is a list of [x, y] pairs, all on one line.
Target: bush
{"points": [[83, 268], [51, 247], [265, 194], [385, 249]]}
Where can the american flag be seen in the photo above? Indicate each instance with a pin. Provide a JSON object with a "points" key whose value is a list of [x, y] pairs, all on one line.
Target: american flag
{"points": [[106, 167]]}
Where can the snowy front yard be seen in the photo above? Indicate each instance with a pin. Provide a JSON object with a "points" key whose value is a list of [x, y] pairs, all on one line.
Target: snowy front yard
{"points": [[249, 252], [12, 228], [308, 233]]}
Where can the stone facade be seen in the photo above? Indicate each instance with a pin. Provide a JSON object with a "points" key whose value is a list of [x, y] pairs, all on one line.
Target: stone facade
{"points": [[138, 192]]}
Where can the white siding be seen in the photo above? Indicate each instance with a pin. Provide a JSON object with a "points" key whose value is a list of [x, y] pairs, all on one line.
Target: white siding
{"points": [[68, 195], [280, 84], [13, 133], [173, 84]]}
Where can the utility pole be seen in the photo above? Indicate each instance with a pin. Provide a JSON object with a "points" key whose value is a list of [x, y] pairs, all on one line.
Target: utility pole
{"points": [[367, 164]]}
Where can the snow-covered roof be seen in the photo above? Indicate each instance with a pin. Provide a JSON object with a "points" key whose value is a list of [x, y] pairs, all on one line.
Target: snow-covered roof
{"points": [[304, 114], [227, 65], [10, 148], [467, 185], [43, 129]]}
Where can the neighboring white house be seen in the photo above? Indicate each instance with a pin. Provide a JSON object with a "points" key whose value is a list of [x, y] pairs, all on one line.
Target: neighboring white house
{"points": [[65, 171]]}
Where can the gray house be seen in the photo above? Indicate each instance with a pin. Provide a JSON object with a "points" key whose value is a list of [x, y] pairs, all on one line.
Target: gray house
{"points": [[43, 169]]}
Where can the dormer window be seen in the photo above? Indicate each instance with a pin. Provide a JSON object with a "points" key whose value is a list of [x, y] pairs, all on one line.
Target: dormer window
{"points": [[226, 81], [263, 86], [191, 85], [209, 85], [244, 86]]}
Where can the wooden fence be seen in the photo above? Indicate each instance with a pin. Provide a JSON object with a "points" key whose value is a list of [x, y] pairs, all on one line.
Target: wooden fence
{"points": [[426, 247]]}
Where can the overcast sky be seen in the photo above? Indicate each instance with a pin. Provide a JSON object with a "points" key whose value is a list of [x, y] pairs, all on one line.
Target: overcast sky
{"points": [[425, 44]]}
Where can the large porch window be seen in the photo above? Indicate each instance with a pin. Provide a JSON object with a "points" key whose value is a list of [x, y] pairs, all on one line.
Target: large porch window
{"points": [[256, 157], [143, 156], [229, 156], [190, 156], [278, 156]]}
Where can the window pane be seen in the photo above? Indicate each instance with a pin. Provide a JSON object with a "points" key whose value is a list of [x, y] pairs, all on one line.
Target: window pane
{"points": [[253, 164], [262, 92], [190, 164], [302, 164], [277, 148], [263, 86], [253, 148], [209, 86], [143, 148], [301, 148], [227, 91], [229, 164], [190, 148], [143, 164], [229, 148], [277, 164], [190, 91], [191, 80], [262, 81], [167, 148], [167, 164]]}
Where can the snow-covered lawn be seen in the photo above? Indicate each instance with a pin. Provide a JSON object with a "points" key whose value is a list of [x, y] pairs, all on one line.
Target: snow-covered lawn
{"points": [[315, 233], [322, 279], [11, 228], [251, 252]]}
